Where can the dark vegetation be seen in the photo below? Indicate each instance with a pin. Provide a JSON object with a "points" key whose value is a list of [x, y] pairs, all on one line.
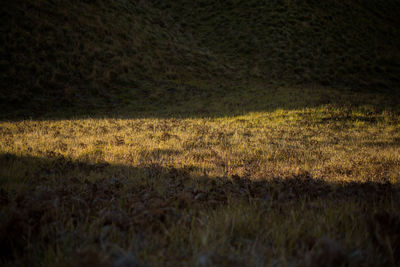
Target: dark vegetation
{"points": [[88, 57], [199, 133], [163, 210]]}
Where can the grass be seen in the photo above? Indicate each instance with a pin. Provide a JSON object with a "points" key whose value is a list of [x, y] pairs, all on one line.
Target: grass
{"points": [[314, 185], [97, 55], [246, 133], [333, 43], [91, 55]]}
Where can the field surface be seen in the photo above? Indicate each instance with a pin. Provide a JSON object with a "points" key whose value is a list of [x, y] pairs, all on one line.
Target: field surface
{"points": [[200, 133], [310, 186]]}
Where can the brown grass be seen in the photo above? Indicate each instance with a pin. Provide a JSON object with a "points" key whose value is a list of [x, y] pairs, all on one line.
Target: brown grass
{"points": [[311, 186], [169, 133]]}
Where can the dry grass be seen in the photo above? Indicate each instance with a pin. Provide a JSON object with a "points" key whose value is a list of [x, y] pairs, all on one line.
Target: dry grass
{"points": [[160, 136], [307, 186], [323, 141]]}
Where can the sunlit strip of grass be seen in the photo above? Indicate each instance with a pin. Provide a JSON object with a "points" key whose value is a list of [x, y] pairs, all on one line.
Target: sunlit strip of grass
{"points": [[326, 141]]}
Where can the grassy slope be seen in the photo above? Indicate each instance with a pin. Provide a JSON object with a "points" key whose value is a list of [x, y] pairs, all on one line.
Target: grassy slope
{"points": [[352, 43], [93, 56], [232, 164]]}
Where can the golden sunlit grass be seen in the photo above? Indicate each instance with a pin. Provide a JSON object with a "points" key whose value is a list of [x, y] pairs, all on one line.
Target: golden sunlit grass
{"points": [[306, 186], [323, 141], [198, 133]]}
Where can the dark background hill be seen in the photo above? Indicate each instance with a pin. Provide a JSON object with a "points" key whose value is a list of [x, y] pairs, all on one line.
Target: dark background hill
{"points": [[83, 56], [353, 43]]}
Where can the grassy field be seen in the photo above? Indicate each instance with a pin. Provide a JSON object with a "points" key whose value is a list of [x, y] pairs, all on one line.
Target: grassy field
{"points": [[307, 186], [200, 133]]}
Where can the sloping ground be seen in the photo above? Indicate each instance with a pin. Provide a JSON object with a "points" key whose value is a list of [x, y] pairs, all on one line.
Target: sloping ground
{"points": [[92, 54], [352, 43], [102, 55], [290, 171]]}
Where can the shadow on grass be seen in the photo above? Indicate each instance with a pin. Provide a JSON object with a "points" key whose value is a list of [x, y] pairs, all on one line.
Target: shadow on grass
{"points": [[43, 201], [201, 101]]}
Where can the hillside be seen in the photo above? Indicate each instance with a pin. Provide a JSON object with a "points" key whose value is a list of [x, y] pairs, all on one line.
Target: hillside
{"points": [[335, 43], [200, 133], [93, 54], [102, 55]]}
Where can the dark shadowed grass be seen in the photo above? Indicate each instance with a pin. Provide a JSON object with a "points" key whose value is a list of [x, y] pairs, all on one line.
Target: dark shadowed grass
{"points": [[310, 186], [72, 213], [213, 101], [178, 57], [184, 133]]}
